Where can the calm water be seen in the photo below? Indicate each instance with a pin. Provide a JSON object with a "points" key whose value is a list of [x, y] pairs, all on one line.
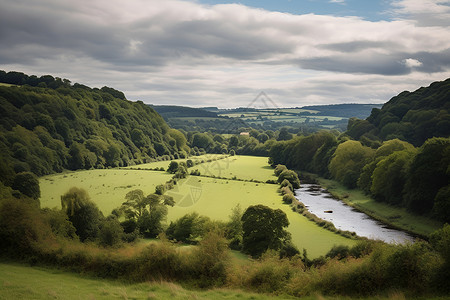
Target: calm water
{"points": [[344, 217]]}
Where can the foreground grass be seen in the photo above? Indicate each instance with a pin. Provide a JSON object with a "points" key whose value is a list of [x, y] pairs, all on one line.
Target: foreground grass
{"points": [[216, 198], [23, 282], [107, 188], [398, 217], [239, 167]]}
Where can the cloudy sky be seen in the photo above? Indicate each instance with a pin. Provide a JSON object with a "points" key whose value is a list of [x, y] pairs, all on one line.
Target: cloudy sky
{"points": [[224, 53]]}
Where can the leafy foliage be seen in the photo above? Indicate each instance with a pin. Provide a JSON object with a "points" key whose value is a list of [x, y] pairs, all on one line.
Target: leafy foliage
{"points": [[83, 213], [64, 126], [411, 116], [263, 229]]}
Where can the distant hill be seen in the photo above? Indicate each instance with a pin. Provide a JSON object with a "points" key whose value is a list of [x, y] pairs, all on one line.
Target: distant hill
{"points": [[174, 111], [360, 111], [410, 116], [55, 125]]}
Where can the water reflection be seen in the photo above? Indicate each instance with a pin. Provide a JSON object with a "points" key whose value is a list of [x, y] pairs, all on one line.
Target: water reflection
{"points": [[344, 217]]}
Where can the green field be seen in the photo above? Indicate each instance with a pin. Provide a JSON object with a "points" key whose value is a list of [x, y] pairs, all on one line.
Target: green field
{"points": [[398, 217], [23, 282], [215, 198], [165, 163], [107, 188], [207, 196], [239, 166]]}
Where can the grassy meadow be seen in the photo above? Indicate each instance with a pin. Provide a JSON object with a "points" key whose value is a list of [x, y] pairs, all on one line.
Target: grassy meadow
{"points": [[207, 196], [107, 188], [165, 163], [240, 167]]}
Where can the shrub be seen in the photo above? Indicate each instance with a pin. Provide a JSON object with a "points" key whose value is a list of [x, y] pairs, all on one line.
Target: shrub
{"points": [[279, 169], [110, 233], [286, 183], [210, 260], [289, 199]]}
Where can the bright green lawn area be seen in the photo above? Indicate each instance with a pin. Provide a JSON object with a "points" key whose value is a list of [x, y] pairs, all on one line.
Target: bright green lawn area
{"points": [[165, 163], [387, 213], [107, 188], [23, 282], [216, 198], [241, 166]]}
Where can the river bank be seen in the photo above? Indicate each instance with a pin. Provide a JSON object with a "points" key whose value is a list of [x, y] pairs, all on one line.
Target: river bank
{"points": [[395, 217]]}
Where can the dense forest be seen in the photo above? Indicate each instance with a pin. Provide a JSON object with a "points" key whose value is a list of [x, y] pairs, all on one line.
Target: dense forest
{"points": [[411, 116], [48, 125]]}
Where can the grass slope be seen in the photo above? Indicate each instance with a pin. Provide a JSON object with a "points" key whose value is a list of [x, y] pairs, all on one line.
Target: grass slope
{"points": [[107, 188], [398, 217], [23, 282], [215, 198]]}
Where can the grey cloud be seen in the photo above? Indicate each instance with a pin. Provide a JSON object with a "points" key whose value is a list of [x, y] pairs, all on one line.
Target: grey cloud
{"points": [[382, 64], [356, 46], [364, 64]]}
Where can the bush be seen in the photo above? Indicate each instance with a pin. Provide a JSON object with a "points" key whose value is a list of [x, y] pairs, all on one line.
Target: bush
{"points": [[289, 199], [110, 233], [279, 169], [287, 184], [210, 260], [22, 228]]}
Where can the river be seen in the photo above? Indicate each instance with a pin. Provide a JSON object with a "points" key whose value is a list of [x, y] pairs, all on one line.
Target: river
{"points": [[322, 204]]}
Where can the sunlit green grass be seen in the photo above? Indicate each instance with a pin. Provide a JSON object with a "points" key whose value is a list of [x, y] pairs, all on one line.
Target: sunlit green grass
{"points": [[107, 188], [397, 216], [207, 196], [22, 282], [216, 198], [165, 164], [239, 166]]}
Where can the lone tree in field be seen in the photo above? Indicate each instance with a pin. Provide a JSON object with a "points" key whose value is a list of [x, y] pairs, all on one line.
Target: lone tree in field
{"points": [[263, 229]]}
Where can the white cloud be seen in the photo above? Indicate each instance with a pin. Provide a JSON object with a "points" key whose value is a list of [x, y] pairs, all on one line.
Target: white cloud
{"points": [[180, 52], [411, 63], [424, 12]]}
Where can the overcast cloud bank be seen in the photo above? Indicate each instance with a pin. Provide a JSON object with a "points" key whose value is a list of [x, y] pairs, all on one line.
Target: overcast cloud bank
{"points": [[186, 53]]}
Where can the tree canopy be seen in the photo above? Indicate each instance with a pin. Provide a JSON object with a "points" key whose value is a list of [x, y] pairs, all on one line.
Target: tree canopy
{"points": [[263, 229]]}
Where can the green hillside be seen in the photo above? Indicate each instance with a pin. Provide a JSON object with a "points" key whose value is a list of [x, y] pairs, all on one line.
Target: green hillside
{"points": [[56, 125]]}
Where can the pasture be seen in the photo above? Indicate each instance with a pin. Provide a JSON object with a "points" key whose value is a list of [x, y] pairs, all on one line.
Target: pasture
{"points": [[239, 166], [207, 196], [165, 163], [107, 188]]}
